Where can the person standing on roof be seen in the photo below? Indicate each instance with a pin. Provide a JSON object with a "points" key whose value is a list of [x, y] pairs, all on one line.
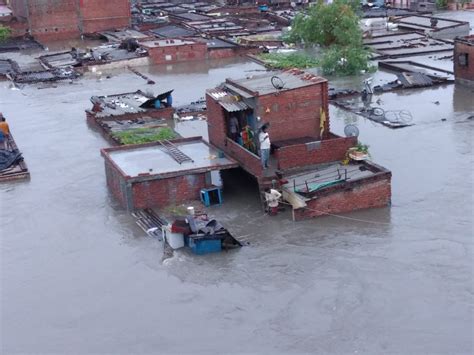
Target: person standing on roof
{"points": [[234, 128], [264, 140]]}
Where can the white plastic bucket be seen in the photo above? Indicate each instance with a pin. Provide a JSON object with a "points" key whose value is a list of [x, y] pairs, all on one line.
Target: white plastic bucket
{"points": [[175, 240], [190, 211]]}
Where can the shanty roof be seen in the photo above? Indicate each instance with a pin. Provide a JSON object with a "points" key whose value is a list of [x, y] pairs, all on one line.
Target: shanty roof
{"points": [[132, 102], [190, 16], [229, 102], [291, 79], [167, 43], [172, 31], [219, 43], [423, 22]]}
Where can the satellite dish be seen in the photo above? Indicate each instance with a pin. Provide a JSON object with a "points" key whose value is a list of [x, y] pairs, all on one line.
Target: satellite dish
{"points": [[351, 131], [277, 82]]}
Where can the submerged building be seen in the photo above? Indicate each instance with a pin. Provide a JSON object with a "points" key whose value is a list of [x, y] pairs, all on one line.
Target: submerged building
{"points": [[311, 165], [308, 161], [464, 60]]}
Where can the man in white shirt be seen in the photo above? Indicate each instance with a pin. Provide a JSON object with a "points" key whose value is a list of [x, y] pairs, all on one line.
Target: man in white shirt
{"points": [[272, 196], [264, 140]]}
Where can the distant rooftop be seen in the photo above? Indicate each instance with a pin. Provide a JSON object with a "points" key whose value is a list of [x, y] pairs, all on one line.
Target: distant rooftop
{"points": [[167, 43], [118, 36], [172, 31], [263, 84], [120, 104], [469, 40], [424, 22]]}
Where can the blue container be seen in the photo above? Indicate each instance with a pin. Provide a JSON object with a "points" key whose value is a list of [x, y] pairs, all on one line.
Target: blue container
{"points": [[157, 104], [211, 196], [169, 100], [205, 246]]}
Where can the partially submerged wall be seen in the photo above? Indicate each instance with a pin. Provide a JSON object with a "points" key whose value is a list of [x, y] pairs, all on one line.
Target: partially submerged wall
{"points": [[313, 153], [464, 60], [371, 192]]}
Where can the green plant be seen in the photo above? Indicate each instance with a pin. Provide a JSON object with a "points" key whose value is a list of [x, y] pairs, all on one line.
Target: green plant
{"points": [[334, 27], [363, 148], [144, 135], [345, 60], [289, 60], [5, 33], [441, 4]]}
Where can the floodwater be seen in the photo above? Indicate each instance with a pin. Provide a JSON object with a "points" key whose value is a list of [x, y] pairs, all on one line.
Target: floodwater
{"points": [[78, 276]]}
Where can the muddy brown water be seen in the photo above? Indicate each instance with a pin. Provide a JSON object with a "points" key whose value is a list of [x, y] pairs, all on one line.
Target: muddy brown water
{"points": [[78, 276]]}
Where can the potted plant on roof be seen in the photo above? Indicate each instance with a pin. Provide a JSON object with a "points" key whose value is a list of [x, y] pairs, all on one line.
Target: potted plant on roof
{"points": [[359, 152]]}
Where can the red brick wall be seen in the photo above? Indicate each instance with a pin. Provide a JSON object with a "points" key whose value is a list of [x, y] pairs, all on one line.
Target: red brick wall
{"points": [[294, 113], [355, 196], [54, 19], [215, 123], [302, 155], [100, 15], [247, 160], [464, 72], [19, 8], [116, 183], [163, 192], [158, 55], [221, 53], [217, 137], [63, 19]]}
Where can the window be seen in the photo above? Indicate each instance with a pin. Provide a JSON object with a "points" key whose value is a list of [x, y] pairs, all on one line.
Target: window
{"points": [[463, 59]]}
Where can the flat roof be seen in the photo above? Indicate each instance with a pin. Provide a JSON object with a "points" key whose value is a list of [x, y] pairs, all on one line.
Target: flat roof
{"points": [[423, 22], [324, 174], [219, 43], [167, 43], [155, 160], [171, 31], [123, 34], [291, 79]]}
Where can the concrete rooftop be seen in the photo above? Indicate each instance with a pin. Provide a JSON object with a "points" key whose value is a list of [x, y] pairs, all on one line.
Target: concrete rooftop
{"points": [[263, 83], [155, 159]]}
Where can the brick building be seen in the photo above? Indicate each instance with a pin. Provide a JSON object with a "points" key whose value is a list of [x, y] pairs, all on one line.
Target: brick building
{"points": [[122, 109], [464, 60], [53, 19], [175, 50], [155, 175], [306, 157]]}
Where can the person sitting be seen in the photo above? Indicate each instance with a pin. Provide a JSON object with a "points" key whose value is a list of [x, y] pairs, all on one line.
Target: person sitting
{"points": [[271, 197]]}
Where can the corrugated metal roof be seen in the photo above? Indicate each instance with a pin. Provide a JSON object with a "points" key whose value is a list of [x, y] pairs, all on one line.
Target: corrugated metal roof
{"points": [[229, 102], [414, 79], [233, 106]]}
